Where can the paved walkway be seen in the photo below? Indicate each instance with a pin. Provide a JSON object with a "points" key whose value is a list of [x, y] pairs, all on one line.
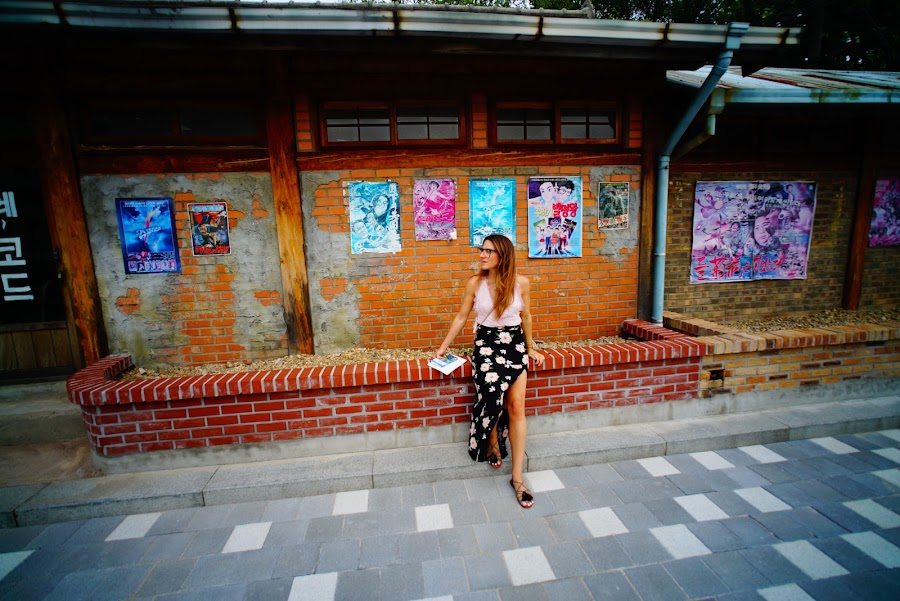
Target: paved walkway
{"points": [[787, 521]]}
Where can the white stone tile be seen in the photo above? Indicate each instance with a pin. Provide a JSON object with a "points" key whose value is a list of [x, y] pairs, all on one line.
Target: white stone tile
{"points": [[895, 434], [658, 466], [527, 566], [892, 476], [834, 445], [602, 522], [444, 598], [879, 515], [875, 547], [889, 453], [354, 501], [712, 460], [315, 587], [762, 454], [433, 517], [134, 526], [9, 561], [785, 592], [701, 508], [247, 537], [679, 541], [762, 499], [543, 481], [810, 560]]}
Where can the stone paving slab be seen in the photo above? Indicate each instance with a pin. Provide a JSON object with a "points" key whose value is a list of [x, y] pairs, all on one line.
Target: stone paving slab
{"points": [[270, 480], [12, 497]]}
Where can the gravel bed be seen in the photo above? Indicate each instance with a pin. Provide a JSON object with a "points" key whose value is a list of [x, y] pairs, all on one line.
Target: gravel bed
{"points": [[817, 319]]}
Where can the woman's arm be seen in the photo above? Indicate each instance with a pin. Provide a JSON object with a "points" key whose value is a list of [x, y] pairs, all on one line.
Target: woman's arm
{"points": [[525, 291], [459, 322]]}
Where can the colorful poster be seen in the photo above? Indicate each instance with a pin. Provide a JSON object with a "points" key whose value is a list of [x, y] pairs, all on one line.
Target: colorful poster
{"points": [[884, 229], [612, 199], [147, 235], [209, 229], [374, 217], [751, 230], [434, 209], [554, 217], [492, 208]]}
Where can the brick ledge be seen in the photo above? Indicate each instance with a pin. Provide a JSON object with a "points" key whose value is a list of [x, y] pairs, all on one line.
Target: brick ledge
{"points": [[95, 385]]}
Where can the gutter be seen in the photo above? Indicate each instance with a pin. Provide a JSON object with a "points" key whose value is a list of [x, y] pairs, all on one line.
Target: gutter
{"points": [[661, 194]]}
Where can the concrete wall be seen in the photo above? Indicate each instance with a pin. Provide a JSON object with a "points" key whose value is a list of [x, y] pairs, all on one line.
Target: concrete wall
{"points": [[219, 308]]}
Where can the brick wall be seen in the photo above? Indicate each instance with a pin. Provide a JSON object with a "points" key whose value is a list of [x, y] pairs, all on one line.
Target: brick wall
{"points": [[219, 308], [254, 407], [880, 284], [823, 287], [409, 298]]}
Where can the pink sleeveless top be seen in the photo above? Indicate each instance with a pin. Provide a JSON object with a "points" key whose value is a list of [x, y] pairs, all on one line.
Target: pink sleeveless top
{"points": [[484, 308]]}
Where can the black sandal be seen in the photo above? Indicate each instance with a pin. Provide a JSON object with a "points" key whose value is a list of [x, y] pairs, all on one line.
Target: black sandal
{"points": [[494, 456], [522, 494]]}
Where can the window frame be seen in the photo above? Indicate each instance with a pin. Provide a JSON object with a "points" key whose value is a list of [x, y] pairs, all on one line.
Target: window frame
{"points": [[392, 107], [90, 139], [556, 126]]}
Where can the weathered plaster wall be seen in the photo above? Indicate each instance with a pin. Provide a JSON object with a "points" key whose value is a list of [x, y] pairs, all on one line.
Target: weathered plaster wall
{"points": [[219, 308]]}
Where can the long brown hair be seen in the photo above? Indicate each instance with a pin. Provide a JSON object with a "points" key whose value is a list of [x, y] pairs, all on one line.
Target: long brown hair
{"points": [[506, 271]]}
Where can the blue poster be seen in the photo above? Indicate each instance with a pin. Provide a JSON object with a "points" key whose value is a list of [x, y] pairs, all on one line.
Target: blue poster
{"points": [[147, 235], [492, 208], [554, 217], [374, 217]]}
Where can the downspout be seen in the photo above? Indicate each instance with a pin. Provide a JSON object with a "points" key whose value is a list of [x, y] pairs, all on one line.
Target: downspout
{"points": [[661, 195]]}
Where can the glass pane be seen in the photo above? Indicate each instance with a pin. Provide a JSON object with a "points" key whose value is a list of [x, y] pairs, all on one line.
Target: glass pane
{"points": [[572, 115], [412, 114], [343, 134], [444, 113], [510, 132], [218, 122], [574, 132], [412, 132], [374, 133], [538, 132], [538, 116], [602, 131], [445, 132], [374, 116], [506, 116], [340, 115], [131, 122]]}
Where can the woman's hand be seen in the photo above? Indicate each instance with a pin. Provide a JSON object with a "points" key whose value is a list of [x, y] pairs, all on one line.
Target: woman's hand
{"points": [[439, 353], [536, 356]]}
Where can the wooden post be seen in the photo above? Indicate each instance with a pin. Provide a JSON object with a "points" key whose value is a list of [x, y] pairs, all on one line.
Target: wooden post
{"points": [[288, 209], [862, 218], [68, 228]]}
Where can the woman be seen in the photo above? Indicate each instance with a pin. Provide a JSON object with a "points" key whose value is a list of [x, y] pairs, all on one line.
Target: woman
{"points": [[503, 344]]}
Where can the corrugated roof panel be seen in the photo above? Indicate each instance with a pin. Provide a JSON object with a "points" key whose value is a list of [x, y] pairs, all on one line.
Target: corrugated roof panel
{"points": [[185, 18], [313, 20], [796, 86]]}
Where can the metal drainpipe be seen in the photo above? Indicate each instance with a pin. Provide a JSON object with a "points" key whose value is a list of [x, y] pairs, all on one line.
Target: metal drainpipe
{"points": [[661, 196]]}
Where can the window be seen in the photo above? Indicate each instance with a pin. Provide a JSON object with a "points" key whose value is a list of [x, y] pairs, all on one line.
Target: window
{"points": [[561, 123], [403, 124], [164, 123]]}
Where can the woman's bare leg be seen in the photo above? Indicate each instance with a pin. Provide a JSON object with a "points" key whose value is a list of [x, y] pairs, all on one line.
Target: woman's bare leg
{"points": [[518, 428]]}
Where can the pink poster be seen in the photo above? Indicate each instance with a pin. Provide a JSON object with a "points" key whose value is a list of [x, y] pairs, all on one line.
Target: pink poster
{"points": [[434, 209], [884, 229]]}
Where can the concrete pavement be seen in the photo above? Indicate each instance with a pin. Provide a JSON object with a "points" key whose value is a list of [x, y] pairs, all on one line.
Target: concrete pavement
{"points": [[798, 519]]}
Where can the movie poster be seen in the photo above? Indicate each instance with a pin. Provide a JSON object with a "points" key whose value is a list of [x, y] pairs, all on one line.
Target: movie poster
{"points": [[147, 235], [434, 209], [209, 229], [374, 217], [751, 230], [554, 217], [492, 208], [612, 200], [884, 229]]}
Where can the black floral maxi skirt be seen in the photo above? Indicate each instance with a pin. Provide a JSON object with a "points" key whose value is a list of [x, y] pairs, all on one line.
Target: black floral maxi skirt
{"points": [[499, 358]]}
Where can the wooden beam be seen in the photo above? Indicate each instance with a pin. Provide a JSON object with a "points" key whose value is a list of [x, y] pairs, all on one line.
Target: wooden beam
{"points": [[281, 136], [68, 227], [862, 218]]}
